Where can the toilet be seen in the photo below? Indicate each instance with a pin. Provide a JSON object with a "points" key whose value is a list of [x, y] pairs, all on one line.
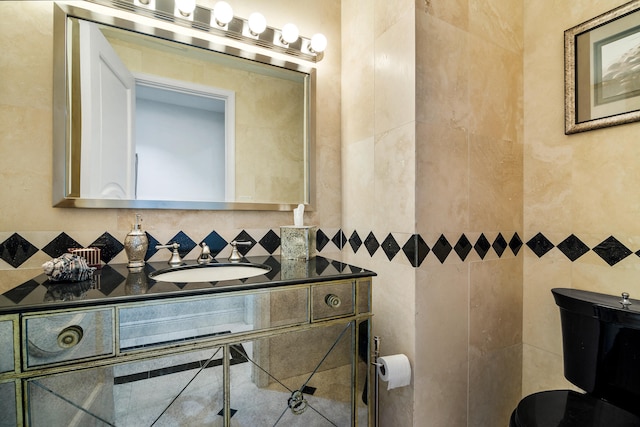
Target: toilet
{"points": [[601, 349]]}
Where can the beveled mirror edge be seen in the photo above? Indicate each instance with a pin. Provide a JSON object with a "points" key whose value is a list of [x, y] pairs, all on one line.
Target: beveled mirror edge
{"points": [[61, 118]]}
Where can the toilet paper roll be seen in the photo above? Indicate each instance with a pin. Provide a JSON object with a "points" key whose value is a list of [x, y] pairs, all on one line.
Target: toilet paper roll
{"points": [[395, 370]]}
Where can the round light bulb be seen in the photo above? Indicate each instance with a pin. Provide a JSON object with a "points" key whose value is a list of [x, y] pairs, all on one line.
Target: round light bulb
{"points": [[186, 7], [289, 33], [223, 13], [318, 43], [257, 23]]}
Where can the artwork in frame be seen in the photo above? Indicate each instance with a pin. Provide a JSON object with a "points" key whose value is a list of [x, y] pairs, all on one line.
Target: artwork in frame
{"points": [[602, 70]]}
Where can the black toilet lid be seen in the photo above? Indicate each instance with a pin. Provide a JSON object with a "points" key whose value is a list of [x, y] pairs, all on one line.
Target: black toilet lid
{"points": [[567, 408]]}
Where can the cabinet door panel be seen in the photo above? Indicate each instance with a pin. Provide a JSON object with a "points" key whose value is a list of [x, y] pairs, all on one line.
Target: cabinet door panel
{"points": [[300, 378], [181, 389]]}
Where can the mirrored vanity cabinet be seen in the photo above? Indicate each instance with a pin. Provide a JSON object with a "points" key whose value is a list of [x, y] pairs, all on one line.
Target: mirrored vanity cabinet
{"points": [[286, 348]]}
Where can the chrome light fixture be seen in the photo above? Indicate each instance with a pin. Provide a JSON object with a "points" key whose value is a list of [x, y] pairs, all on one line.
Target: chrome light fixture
{"points": [[185, 8], [221, 21]]}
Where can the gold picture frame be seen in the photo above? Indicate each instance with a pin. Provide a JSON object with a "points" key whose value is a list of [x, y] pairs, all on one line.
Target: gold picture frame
{"points": [[602, 70]]}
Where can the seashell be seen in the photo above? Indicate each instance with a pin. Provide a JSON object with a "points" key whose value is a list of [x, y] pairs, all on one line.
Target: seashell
{"points": [[68, 268]]}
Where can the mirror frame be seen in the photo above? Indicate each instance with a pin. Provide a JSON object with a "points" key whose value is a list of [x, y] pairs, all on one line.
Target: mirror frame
{"points": [[62, 111]]}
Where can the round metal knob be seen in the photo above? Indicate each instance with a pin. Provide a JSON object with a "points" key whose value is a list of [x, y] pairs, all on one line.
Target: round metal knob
{"points": [[332, 300], [69, 337]]}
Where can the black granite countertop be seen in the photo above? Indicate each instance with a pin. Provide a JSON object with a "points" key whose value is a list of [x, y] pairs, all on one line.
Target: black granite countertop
{"points": [[117, 284]]}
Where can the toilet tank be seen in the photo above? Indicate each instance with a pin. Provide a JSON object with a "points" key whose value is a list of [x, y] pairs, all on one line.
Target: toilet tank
{"points": [[601, 345]]}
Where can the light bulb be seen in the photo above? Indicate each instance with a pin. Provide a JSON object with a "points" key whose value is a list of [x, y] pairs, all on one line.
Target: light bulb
{"points": [[289, 33], [186, 7], [318, 43], [223, 13], [257, 23]]}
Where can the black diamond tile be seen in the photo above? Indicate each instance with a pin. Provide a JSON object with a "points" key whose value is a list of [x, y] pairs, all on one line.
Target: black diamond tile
{"points": [[515, 244], [339, 239], [275, 267], [482, 246], [321, 240], [338, 266], [371, 243], [245, 237], [612, 251], [110, 279], [151, 249], [442, 248], [321, 265], [270, 241], [185, 242], [499, 245], [16, 250], [463, 247], [109, 247], [309, 390], [238, 354], [18, 293], [573, 248], [60, 245], [215, 242], [231, 411], [540, 245], [355, 242], [390, 247], [416, 250]]}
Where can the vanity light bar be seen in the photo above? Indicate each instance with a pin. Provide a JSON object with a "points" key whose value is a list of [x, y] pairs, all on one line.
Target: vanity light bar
{"points": [[184, 13]]}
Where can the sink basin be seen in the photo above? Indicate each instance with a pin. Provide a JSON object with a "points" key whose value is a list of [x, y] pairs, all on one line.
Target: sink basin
{"points": [[209, 273]]}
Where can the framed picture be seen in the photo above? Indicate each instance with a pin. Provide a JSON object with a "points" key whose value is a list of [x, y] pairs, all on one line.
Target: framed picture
{"points": [[602, 70]]}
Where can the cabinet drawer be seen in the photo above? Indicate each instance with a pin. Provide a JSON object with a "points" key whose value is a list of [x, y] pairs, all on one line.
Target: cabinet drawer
{"points": [[175, 323], [54, 338], [332, 300]]}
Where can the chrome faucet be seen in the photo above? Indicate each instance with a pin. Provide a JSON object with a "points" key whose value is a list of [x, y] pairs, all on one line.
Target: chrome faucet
{"points": [[205, 256], [235, 255], [175, 259]]}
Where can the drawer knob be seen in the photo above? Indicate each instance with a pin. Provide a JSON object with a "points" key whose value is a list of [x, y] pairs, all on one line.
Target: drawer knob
{"points": [[332, 300], [69, 337]]}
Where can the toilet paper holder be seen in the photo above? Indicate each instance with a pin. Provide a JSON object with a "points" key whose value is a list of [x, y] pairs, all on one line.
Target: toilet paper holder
{"points": [[376, 380]]}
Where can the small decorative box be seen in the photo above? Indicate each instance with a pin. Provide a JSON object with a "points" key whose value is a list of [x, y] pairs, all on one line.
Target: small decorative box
{"points": [[298, 242]]}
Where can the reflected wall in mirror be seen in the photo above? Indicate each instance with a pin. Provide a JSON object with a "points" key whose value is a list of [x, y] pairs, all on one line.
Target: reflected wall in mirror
{"points": [[144, 121]]}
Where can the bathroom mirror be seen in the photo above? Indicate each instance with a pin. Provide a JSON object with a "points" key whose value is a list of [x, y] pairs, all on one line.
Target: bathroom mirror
{"points": [[148, 116]]}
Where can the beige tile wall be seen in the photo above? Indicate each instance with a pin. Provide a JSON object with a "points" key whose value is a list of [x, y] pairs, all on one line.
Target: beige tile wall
{"points": [[446, 144], [469, 111], [583, 184]]}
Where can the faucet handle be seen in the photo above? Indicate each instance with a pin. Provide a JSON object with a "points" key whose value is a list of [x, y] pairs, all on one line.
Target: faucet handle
{"points": [[235, 255], [205, 256], [175, 259]]}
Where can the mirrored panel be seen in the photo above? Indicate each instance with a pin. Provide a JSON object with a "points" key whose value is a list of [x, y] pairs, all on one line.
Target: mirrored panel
{"points": [[180, 389], [297, 378], [168, 324], [150, 118]]}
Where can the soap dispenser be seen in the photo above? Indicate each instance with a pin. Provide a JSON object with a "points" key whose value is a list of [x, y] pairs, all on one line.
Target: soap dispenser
{"points": [[136, 244]]}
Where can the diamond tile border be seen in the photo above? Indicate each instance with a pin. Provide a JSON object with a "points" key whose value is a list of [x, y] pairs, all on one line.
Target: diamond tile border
{"points": [[15, 250]]}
